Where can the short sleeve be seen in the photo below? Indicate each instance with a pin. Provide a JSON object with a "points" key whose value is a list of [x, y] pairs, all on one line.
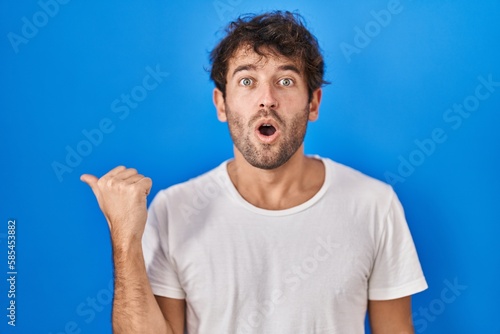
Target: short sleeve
{"points": [[396, 271], [160, 269]]}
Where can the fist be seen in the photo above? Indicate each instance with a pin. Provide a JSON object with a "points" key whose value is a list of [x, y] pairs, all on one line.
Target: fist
{"points": [[121, 195]]}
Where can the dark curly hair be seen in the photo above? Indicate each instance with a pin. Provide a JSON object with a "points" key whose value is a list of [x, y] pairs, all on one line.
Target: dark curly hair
{"points": [[282, 33]]}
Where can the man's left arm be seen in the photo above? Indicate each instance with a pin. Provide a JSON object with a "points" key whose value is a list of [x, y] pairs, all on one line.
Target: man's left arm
{"points": [[391, 316]]}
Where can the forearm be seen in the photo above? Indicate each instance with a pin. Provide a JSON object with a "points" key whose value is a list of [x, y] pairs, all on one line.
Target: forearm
{"points": [[135, 309], [122, 196]]}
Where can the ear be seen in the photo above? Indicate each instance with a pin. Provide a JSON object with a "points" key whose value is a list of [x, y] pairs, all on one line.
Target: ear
{"points": [[314, 105], [220, 106]]}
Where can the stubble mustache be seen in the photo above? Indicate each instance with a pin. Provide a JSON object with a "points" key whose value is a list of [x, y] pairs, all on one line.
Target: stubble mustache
{"points": [[266, 113]]}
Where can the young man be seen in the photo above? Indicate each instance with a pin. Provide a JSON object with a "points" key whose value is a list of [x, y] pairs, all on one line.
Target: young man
{"points": [[272, 241]]}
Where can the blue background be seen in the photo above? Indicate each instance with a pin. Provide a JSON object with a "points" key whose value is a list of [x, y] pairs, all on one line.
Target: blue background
{"points": [[395, 89]]}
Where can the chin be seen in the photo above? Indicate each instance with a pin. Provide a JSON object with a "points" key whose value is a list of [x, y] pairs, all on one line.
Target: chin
{"points": [[267, 164]]}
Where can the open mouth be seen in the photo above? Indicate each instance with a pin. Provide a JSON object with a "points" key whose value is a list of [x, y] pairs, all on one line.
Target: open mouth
{"points": [[267, 130]]}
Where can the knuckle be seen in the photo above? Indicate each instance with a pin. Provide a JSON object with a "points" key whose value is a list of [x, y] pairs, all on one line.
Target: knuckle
{"points": [[101, 182], [112, 182]]}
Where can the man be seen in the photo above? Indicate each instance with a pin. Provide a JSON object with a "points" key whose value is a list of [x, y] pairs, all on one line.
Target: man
{"points": [[272, 241]]}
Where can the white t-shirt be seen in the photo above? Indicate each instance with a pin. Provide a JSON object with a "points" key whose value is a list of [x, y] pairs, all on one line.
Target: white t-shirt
{"points": [[307, 269]]}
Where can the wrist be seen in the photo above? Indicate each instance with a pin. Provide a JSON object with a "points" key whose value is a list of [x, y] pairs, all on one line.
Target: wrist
{"points": [[126, 244]]}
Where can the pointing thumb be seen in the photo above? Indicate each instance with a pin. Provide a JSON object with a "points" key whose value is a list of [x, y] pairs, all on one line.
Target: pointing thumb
{"points": [[89, 179]]}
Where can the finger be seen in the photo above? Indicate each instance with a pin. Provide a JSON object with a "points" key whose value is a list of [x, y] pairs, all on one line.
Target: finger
{"points": [[126, 173], [142, 181], [133, 178], [116, 170], [89, 179], [147, 183]]}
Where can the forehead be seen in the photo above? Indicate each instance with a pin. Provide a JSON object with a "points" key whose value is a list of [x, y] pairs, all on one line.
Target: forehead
{"points": [[267, 58]]}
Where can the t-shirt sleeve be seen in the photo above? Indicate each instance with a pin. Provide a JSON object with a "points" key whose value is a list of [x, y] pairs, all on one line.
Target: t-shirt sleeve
{"points": [[160, 268], [396, 271]]}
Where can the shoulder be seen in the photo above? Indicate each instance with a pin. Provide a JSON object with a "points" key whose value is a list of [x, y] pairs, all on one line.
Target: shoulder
{"points": [[184, 202], [356, 186], [208, 184]]}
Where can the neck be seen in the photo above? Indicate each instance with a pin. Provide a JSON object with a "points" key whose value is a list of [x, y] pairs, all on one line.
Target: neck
{"points": [[281, 188]]}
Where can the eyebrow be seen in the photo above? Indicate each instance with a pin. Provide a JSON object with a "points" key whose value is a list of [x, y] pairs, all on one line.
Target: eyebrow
{"points": [[250, 67], [292, 68], [240, 68]]}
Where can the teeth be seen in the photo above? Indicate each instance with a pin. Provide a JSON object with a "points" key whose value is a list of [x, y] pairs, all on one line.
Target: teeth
{"points": [[266, 124]]}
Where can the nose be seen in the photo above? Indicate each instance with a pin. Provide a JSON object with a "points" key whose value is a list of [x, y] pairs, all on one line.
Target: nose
{"points": [[268, 98]]}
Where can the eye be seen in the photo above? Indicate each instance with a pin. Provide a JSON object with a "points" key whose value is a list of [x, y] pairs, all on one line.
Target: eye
{"points": [[286, 82], [246, 82]]}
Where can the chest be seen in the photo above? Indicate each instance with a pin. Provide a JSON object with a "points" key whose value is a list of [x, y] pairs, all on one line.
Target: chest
{"points": [[261, 271]]}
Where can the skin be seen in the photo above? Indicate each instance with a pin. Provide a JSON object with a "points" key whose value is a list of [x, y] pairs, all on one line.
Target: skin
{"points": [[299, 178], [121, 195], [391, 316], [273, 176]]}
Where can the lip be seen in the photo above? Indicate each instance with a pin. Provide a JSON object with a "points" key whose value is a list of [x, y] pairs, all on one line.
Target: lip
{"points": [[267, 139]]}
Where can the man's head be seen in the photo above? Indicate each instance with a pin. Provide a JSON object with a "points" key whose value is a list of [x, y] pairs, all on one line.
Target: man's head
{"points": [[268, 73], [278, 33]]}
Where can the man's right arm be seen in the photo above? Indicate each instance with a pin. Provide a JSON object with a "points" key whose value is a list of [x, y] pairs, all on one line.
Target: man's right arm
{"points": [[135, 308], [121, 195]]}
